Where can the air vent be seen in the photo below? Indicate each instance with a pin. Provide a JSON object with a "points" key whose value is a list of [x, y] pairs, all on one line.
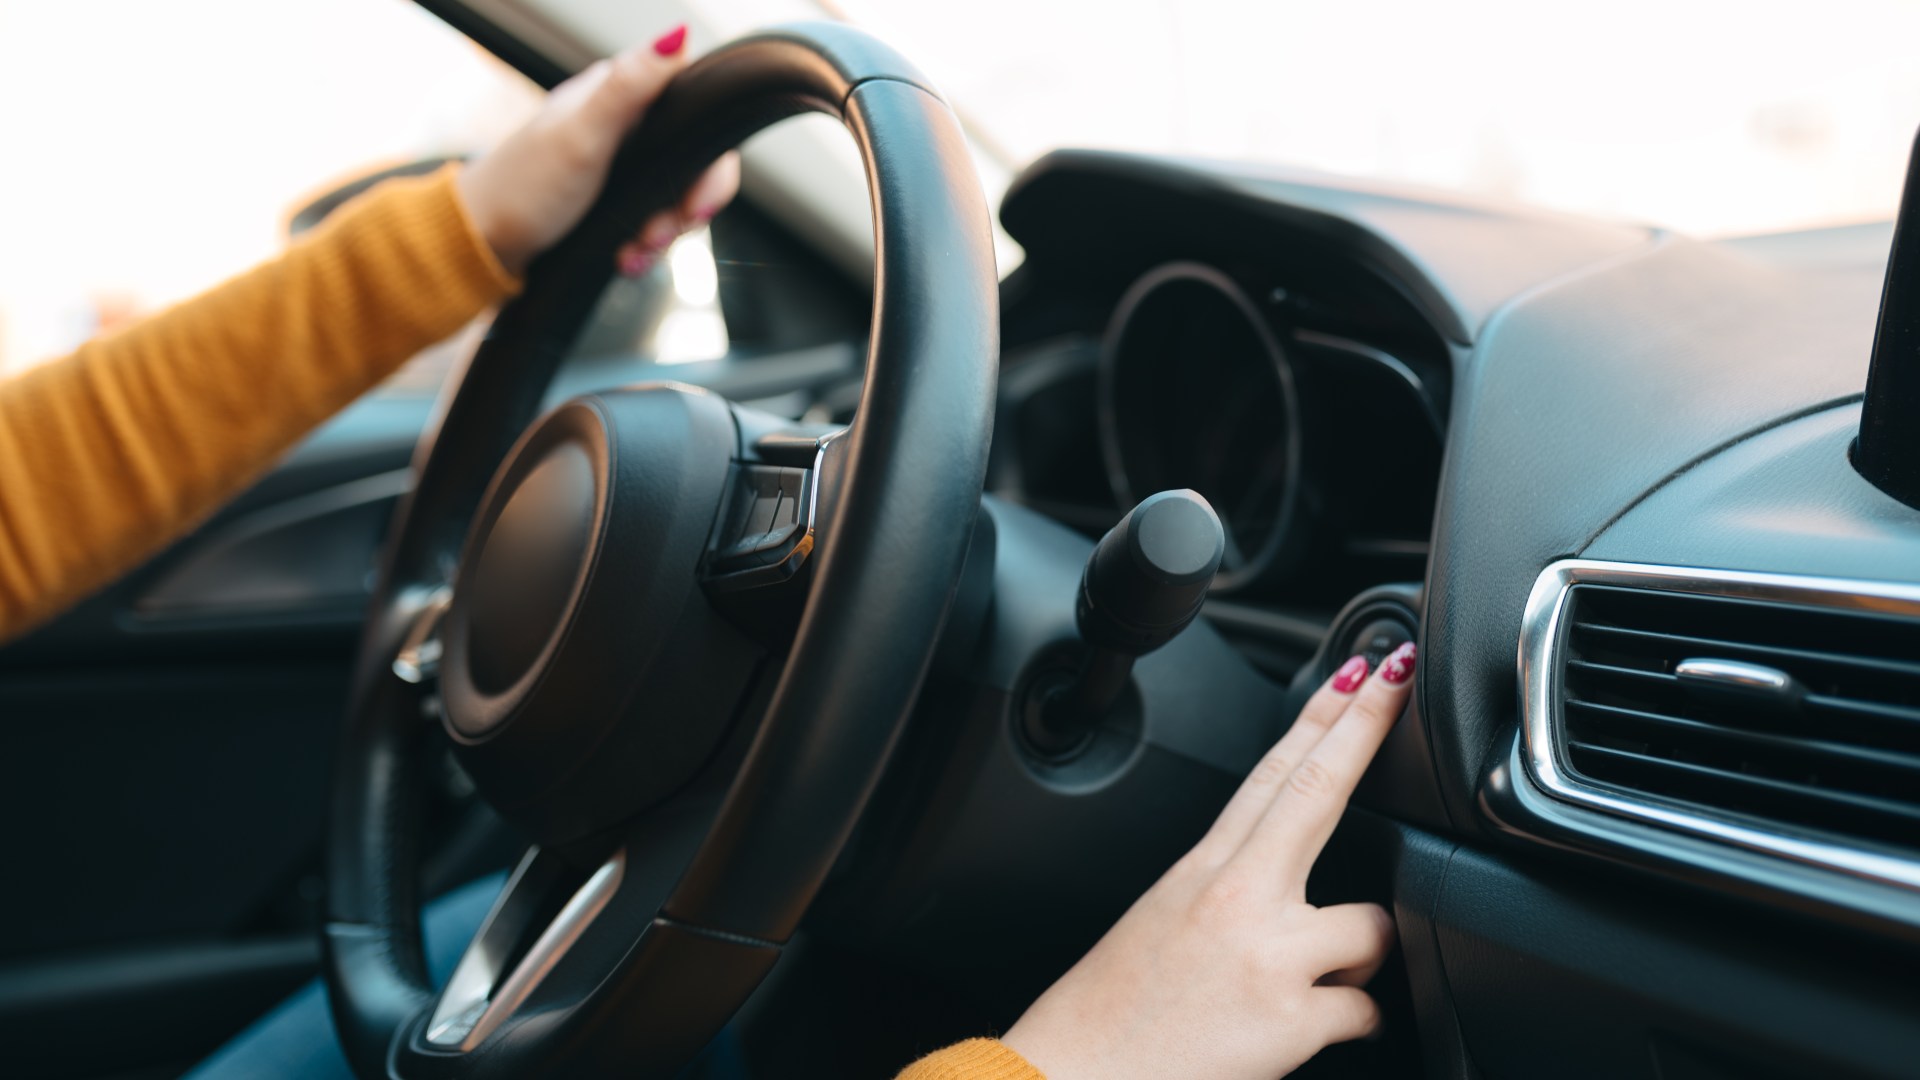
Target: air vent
{"points": [[1776, 714]]}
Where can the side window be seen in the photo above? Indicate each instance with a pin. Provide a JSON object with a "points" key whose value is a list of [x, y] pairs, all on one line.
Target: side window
{"points": [[269, 117], [115, 205]]}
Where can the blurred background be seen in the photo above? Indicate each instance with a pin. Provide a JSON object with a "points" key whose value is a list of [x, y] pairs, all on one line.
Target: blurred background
{"points": [[150, 148]]}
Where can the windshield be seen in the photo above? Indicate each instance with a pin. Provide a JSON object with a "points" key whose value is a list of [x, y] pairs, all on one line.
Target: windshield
{"points": [[1713, 117]]}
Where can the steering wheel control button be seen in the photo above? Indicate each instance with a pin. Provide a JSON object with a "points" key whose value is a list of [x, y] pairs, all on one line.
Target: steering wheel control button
{"points": [[767, 515], [769, 528], [796, 448]]}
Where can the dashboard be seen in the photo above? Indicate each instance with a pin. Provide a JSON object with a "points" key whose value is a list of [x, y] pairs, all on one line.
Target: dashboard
{"points": [[1267, 366], [1608, 469], [1289, 430], [1381, 386]]}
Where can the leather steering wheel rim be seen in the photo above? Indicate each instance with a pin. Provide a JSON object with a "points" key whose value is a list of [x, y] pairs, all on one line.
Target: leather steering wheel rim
{"points": [[898, 536]]}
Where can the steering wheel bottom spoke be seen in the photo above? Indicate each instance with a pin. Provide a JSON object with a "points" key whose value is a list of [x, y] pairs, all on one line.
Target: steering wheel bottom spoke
{"points": [[561, 926], [494, 977]]}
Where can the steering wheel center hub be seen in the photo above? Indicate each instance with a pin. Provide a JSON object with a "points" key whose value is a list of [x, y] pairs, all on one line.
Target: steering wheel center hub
{"points": [[585, 676], [532, 563]]}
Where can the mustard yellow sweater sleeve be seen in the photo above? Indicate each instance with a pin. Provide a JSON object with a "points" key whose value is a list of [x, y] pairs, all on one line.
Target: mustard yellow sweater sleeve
{"points": [[975, 1059], [108, 454]]}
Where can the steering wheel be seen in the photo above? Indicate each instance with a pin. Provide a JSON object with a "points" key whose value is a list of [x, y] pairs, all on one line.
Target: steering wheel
{"points": [[622, 672]]}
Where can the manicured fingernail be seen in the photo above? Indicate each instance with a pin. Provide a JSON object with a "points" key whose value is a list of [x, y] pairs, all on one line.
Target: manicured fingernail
{"points": [[1398, 666], [671, 42], [634, 262], [1351, 675]]}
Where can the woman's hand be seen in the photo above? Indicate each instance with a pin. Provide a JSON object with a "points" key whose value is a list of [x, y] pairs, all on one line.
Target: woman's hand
{"points": [[1223, 971], [531, 189]]}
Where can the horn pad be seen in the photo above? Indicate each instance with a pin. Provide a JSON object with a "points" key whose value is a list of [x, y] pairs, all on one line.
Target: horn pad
{"points": [[586, 677]]}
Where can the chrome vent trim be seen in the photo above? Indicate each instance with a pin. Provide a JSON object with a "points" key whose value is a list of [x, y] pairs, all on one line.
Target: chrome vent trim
{"points": [[1543, 631]]}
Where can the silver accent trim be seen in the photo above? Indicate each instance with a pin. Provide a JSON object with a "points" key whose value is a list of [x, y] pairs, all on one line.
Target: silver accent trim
{"points": [[1543, 633], [1739, 675], [418, 658], [476, 999], [1392, 364], [804, 549]]}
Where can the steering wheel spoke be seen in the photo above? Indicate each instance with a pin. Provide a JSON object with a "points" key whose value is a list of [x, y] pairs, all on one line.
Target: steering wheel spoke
{"points": [[506, 960], [564, 921]]}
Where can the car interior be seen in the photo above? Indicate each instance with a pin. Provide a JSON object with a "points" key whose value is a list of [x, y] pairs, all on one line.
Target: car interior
{"points": [[771, 730]]}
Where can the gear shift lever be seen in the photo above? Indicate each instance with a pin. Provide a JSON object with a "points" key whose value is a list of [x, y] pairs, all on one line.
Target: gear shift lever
{"points": [[1144, 583]]}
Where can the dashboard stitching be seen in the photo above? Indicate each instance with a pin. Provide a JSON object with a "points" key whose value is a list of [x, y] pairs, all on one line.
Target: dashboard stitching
{"points": [[1690, 464]]}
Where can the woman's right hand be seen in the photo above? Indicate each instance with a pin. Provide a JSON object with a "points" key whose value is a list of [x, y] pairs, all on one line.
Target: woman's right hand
{"points": [[1222, 970]]}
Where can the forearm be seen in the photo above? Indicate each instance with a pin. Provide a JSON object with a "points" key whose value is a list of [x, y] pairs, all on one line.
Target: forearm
{"points": [[110, 453]]}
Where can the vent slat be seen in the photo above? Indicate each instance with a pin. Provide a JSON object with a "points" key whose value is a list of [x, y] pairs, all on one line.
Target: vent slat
{"points": [[1835, 751], [1846, 720], [1896, 767], [1658, 678], [1875, 710], [1691, 644], [1758, 796]]}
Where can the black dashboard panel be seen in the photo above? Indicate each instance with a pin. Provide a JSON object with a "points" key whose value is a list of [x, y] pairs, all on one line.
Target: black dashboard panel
{"points": [[1601, 392], [1455, 262], [1583, 396], [1306, 344], [1783, 501], [1195, 391]]}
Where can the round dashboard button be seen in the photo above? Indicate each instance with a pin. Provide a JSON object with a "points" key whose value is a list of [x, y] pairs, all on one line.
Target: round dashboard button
{"points": [[1378, 638]]}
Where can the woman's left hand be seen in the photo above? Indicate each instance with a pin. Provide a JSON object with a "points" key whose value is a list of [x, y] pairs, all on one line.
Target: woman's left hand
{"points": [[531, 189]]}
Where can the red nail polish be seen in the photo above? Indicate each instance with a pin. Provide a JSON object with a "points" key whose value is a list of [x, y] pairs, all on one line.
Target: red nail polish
{"points": [[635, 263], [1351, 675], [1398, 666], [671, 42]]}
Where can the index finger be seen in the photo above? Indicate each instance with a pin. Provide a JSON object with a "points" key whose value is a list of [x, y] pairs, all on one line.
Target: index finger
{"points": [[1257, 792], [1303, 815]]}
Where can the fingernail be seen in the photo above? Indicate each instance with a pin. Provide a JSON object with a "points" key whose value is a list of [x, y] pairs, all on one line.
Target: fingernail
{"points": [[1351, 675], [1398, 666], [671, 42], [634, 263]]}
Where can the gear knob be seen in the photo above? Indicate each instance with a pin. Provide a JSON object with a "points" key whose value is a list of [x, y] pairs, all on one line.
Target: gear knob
{"points": [[1149, 575], [1144, 583]]}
